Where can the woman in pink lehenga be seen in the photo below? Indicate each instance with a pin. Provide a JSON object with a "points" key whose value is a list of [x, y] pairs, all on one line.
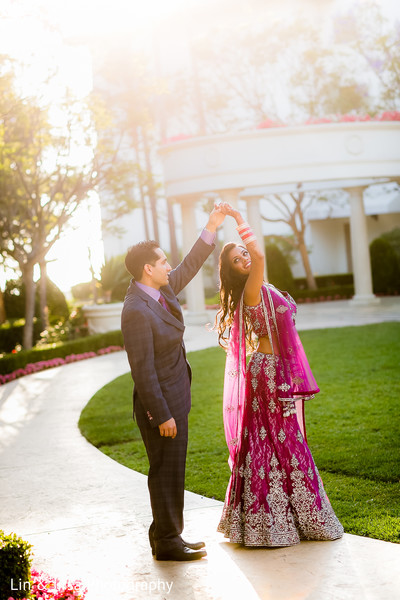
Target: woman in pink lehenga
{"points": [[275, 496]]}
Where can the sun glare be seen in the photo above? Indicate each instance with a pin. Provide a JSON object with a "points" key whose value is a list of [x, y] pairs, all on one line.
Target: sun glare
{"points": [[58, 36]]}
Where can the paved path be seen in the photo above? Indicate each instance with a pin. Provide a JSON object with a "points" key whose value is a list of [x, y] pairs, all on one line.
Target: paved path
{"points": [[87, 516]]}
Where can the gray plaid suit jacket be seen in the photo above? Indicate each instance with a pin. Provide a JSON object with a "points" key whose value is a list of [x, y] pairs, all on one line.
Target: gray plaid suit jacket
{"points": [[153, 340]]}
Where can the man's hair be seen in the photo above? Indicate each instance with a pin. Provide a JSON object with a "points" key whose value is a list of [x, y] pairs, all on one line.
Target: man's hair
{"points": [[139, 255]]}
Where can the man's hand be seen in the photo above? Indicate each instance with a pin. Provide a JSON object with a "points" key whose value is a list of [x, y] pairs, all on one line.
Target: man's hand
{"points": [[168, 429], [215, 219], [227, 209]]}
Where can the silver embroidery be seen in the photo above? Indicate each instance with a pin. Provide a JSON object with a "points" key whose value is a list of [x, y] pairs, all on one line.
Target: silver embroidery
{"points": [[255, 404], [263, 433], [281, 436], [283, 519], [281, 309], [289, 408], [284, 387], [270, 371], [272, 405], [299, 436]]}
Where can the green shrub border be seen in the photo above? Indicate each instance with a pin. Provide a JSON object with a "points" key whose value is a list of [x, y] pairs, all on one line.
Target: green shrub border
{"points": [[90, 343], [15, 564], [334, 292], [12, 334], [323, 281]]}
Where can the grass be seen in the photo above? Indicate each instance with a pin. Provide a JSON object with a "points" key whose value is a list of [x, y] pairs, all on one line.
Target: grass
{"points": [[352, 425]]}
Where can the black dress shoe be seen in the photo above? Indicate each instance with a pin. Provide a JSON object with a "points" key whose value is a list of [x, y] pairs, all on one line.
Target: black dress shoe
{"points": [[194, 545], [191, 545], [180, 554]]}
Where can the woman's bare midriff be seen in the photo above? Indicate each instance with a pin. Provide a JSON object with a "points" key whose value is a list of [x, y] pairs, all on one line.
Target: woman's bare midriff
{"points": [[264, 345]]}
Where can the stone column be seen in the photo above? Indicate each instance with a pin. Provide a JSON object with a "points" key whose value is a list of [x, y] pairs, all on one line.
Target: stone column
{"points": [[360, 249], [196, 313], [229, 225], [255, 221]]}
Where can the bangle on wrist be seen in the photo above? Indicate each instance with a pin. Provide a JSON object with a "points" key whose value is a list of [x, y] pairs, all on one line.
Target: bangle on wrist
{"points": [[242, 226], [246, 233]]}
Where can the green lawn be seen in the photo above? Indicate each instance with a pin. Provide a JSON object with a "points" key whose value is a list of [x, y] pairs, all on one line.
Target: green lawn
{"points": [[352, 425]]}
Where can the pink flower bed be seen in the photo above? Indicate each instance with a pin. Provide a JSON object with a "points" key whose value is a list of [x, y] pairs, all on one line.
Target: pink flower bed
{"points": [[44, 587], [387, 115], [269, 123], [41, 365]]}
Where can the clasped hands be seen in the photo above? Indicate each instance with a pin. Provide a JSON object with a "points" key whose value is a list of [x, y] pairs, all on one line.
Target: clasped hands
{"points": [[218, 214]]}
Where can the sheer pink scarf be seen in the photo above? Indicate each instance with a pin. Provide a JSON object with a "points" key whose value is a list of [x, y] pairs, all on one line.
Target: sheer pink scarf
{"points": [[295, 381]]}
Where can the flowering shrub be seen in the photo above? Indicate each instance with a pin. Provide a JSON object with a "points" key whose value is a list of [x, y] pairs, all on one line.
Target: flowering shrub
{"points": [[177, 138], [74, 327], [55, 362], [269, 123], [389, 115], [44, 587], [318, 120]]}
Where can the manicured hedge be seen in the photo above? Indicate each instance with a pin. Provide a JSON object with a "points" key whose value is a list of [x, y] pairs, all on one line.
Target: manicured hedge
{"points": [[12, 334], [385, 267], [326, 280], [335, 292], [91, 343], [15, 564], [279, 272]]}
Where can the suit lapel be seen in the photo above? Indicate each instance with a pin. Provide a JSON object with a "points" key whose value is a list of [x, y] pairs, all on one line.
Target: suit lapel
{"points": [[172, 302], [155, 306]]}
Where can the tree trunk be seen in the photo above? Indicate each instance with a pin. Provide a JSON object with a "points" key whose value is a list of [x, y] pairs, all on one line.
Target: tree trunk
{"points": [[94, 281], [3, 315], [311, 284], [44, 310], [198, 98], [150, 187], [143, 205], [27, 277], [172, 236]]}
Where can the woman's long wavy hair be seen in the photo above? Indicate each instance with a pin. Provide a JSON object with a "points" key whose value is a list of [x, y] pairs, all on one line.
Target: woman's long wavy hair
{"points": [[231, 285]]}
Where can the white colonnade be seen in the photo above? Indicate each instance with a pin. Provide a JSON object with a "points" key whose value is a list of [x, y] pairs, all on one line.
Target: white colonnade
{"points": [[195, 290], [360, 248], [195, 298], [349, 156]]}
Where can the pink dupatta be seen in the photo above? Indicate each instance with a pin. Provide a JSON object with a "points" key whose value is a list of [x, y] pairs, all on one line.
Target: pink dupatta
{"points": [[295, 381]]}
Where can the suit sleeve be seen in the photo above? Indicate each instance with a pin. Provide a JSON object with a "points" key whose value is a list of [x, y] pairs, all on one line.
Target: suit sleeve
{"points": [[138, 339], [191, 264]]}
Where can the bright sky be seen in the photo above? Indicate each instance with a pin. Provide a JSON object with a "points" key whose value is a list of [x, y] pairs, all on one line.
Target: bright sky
{"points": [[23, 35], [79, 22]]}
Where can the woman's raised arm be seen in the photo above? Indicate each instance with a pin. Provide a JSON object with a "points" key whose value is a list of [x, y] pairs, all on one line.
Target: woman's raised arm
{"points": [[256, 274]]}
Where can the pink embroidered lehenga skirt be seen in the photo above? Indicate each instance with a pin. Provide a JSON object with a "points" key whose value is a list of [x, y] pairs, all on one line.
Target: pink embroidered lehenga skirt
{"points": [[275, 495]]}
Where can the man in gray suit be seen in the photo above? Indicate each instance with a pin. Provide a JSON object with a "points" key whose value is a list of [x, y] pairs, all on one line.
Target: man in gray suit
{"points": [[152, 326]]}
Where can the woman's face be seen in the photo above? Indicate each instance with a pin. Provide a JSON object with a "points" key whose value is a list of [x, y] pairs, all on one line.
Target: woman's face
{"points": [[240, 260]]}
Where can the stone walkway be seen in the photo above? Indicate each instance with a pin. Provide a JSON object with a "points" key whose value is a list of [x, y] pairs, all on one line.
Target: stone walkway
{"points": [[87, 516]]}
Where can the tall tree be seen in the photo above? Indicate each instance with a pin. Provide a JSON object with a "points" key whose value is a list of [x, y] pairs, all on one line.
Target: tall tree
{"points": [[47, 168], [132, 99], [288, 71], [291, 209]]}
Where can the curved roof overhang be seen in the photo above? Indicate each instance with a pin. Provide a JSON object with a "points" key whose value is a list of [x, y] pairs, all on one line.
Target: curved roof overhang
{"points": [[334, 152]]}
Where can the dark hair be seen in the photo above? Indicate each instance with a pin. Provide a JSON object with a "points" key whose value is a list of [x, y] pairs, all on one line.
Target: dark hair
{"points": [[139, 255], [231, 285]]}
